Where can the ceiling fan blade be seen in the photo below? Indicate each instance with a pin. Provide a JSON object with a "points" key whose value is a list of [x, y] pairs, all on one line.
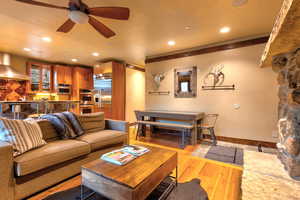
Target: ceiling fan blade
{"points": [[66, 27], [36, 3], [120, 13], [101, 28]]}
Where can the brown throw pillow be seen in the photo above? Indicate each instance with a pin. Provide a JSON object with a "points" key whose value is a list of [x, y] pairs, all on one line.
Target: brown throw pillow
{"points": [[23, 135]]}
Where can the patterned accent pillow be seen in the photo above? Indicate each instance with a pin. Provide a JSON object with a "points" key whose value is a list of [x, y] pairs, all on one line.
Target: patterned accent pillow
{"points": [[23, 135]]}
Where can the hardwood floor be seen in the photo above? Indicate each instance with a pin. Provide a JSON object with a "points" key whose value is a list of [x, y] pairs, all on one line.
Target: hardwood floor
{"points": [[220, 180]]}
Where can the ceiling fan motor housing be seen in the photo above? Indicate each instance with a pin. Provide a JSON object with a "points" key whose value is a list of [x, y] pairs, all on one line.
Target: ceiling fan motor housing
{"points": [[78, 17]]}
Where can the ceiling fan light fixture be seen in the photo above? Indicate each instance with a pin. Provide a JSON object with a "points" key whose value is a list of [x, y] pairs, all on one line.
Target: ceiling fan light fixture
{"points": [[79, 17], [238, 3]]}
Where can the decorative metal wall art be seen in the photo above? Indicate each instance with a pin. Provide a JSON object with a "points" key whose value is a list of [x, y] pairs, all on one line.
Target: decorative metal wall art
{"points": [[214, 80], [157, 79]]}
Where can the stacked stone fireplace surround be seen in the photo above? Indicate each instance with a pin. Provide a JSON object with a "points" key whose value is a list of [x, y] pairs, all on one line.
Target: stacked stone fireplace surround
{"points": [[288, 68]]}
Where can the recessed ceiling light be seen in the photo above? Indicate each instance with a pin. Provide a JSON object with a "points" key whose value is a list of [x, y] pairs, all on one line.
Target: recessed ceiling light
{"points": [[95, 54], [27, 49], [187, 28], [171, 43], [74, 60], [238, 3], [225, 29], [46, 39]]}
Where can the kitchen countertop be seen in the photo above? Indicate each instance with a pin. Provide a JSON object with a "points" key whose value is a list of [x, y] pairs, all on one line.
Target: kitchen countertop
{"points": [[39, 101]]}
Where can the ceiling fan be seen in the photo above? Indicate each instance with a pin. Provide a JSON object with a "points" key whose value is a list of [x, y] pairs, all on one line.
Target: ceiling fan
{"points": [[80, 13]]}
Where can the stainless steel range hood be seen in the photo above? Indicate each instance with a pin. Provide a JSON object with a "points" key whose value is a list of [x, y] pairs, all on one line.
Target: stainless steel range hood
{"points": [[6, 72]]}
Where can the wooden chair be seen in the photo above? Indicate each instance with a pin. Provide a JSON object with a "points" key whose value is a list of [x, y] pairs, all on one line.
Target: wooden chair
{"points": [[208, 123]]}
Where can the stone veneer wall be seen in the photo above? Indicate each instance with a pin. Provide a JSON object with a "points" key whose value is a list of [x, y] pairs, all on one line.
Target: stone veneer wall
{"points": [[288, 68]]}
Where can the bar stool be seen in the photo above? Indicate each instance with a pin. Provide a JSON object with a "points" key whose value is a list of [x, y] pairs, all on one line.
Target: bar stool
{"points": [[16, 109], [208, 123]]}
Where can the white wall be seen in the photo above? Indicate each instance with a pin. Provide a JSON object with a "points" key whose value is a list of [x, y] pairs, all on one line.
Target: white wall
{"points": [[256, 92], [135, 93]]}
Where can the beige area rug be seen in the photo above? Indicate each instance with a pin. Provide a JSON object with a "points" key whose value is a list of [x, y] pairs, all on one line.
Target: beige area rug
{"points": [[264, 178], [204, 147]]}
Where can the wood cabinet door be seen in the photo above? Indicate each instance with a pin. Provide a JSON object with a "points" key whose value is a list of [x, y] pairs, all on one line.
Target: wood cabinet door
{"points": [[68, 72], [83, 78], [41, 77], [90, 75], [62, 75], [34, 71], [59, 75], [86, 76], [46, 78]]}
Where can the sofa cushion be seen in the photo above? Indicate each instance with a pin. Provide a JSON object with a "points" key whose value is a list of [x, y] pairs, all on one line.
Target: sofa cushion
{"points": [[48, 130], [52, 153], [101, 139], [92, 122]]}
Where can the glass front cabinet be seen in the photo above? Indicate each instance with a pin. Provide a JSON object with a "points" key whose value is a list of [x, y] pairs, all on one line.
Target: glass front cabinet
{"points": [[41, 77]]}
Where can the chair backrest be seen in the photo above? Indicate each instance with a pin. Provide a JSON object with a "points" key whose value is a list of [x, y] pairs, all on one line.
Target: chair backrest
{"points": [[210, 120]]}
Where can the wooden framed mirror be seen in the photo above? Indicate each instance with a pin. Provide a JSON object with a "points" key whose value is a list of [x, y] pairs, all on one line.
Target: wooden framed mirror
{"points": [[185, 82]]}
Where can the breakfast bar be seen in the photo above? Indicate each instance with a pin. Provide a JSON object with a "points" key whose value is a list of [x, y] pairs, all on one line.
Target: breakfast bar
{"points": [[12, 109]]}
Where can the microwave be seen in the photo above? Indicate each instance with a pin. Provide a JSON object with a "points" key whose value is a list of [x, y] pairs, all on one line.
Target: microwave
{"points": [[64, 89], [86, 97]]}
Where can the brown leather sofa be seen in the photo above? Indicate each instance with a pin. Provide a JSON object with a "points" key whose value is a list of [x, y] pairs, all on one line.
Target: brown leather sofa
{"points": [[58, 160]]}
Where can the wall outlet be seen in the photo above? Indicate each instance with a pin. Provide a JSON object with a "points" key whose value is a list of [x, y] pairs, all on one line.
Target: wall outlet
{"points": [[275, 134], [236, 106]]}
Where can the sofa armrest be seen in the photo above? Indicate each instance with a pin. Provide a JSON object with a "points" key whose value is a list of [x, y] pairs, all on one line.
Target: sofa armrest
{"points": [[117, 125], [7, 180]]}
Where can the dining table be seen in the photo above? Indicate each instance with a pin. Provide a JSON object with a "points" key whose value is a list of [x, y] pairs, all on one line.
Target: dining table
{"points": [[192, 118]]}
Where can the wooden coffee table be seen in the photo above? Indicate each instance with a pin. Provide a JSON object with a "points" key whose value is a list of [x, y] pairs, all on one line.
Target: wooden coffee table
{"points": [[133, 181]]}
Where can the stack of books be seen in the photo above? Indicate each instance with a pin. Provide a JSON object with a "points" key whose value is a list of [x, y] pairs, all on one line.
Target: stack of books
{"points": [[124, 155]]}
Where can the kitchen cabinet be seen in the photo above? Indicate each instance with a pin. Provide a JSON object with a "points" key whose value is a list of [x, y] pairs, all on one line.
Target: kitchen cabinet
{"points": [[82, 81], [83, 78], [62, 75], [41, 77]]}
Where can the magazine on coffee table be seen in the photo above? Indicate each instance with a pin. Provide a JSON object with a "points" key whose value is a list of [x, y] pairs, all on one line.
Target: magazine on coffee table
{"points": [[135, 150], [118, 157]]}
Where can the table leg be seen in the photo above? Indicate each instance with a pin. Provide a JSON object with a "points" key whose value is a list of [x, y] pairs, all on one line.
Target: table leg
{"points": [[176, 177], [194, 133], [82, 197], [81, 192], [182, 145]]}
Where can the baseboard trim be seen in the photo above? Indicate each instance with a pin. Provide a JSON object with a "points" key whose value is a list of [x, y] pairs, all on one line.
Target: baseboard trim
{"points": [[257, 143], [244, 141]]}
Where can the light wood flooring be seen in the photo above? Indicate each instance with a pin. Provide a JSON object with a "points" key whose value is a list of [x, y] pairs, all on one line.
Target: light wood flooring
{"points": [[220, 180]]}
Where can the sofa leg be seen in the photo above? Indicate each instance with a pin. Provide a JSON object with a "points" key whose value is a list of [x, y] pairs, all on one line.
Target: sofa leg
{"points": [[182, 145]]}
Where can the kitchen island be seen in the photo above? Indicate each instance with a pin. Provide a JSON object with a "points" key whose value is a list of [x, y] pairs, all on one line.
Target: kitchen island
{"points": [[23, 109]]}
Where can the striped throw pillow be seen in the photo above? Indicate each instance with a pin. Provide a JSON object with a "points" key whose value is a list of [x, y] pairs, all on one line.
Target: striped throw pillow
{"points": [[23, 135]]}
